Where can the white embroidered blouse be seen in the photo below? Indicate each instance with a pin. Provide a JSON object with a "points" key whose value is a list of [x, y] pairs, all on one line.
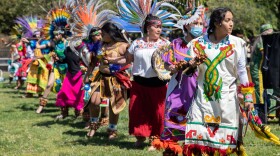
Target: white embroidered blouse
{"points": [[142, 52]]}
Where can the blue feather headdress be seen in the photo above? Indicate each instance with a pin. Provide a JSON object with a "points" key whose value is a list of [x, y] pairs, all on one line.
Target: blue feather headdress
{"points": [[57, 22], [136, 11]]}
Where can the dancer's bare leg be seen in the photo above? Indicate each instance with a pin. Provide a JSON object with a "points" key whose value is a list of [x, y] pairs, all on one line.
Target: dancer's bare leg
{"points": [[43, 99], [113, 121], [104, 120], [94, 110], [20, 83]]}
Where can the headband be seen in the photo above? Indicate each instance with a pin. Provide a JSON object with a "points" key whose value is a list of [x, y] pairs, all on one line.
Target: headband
{"points": [[154, 22]]}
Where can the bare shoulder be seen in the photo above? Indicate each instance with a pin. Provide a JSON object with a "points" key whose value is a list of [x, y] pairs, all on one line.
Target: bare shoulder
{"points": [[123, 47]]}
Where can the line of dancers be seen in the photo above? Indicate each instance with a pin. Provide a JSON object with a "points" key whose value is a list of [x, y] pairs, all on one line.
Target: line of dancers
{"points": [[184, 90]]}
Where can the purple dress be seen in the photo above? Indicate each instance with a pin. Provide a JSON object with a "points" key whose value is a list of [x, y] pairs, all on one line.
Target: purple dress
{"points": [[181, 90]]}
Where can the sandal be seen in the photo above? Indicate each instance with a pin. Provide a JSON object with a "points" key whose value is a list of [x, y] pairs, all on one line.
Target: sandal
{"points": [[151, 139], [64, 113], [93, 128], [104, 121], [140, 141], [43, 103], [87, 126], [112, 134], [152, 148]]}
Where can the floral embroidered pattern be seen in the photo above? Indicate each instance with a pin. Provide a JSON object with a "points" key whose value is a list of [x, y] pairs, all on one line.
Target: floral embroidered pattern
{"points": [[140, 44]]}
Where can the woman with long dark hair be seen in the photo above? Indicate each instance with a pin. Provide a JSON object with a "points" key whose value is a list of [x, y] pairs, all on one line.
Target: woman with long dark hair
{"points": [[110, 84], [213, 119], [94, 45], [147, 95]]}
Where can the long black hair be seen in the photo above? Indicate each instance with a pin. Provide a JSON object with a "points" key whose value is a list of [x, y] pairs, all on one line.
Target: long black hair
{"points": [[217, 16], [148, 20], [114, 32]]}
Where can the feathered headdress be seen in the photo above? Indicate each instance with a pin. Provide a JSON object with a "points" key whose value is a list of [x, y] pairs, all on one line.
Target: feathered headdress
{"points": [[191, 15], [72, 4], [87, 16], [57, 22], [30, 25], [136, 11], [16, 34]]}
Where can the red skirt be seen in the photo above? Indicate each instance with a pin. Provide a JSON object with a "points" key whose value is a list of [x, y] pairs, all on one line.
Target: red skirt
{"points": [[146, 110]]}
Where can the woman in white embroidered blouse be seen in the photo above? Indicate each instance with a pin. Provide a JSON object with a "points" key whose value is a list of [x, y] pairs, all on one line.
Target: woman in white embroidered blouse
{"points": [[147, 96], [213, 119]]}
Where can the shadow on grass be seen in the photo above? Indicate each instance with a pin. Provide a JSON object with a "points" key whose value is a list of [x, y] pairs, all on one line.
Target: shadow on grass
{"points": [[101, 139], [52, 99], [32, 106], [19, 96], [8, 111], [70, 120], [7, 85], [51, 122], [47, 111], [26, 107], [10, 91]]}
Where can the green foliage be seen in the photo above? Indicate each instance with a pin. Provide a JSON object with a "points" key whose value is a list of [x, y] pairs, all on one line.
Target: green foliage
{"points": [[10, 9], [249, 15]]}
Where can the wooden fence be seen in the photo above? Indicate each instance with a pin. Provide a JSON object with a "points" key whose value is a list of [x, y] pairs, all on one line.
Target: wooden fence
{"points": [[4, 57]]}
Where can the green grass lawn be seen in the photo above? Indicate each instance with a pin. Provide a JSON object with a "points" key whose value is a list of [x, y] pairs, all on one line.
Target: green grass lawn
{"points": [[23, 132]]}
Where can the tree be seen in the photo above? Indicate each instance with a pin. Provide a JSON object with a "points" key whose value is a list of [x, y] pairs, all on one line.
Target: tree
{"points": [[249, 15], [10, 9]]}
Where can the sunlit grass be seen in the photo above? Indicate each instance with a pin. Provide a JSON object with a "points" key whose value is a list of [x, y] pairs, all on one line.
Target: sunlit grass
{"points": [[23, 132]]}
